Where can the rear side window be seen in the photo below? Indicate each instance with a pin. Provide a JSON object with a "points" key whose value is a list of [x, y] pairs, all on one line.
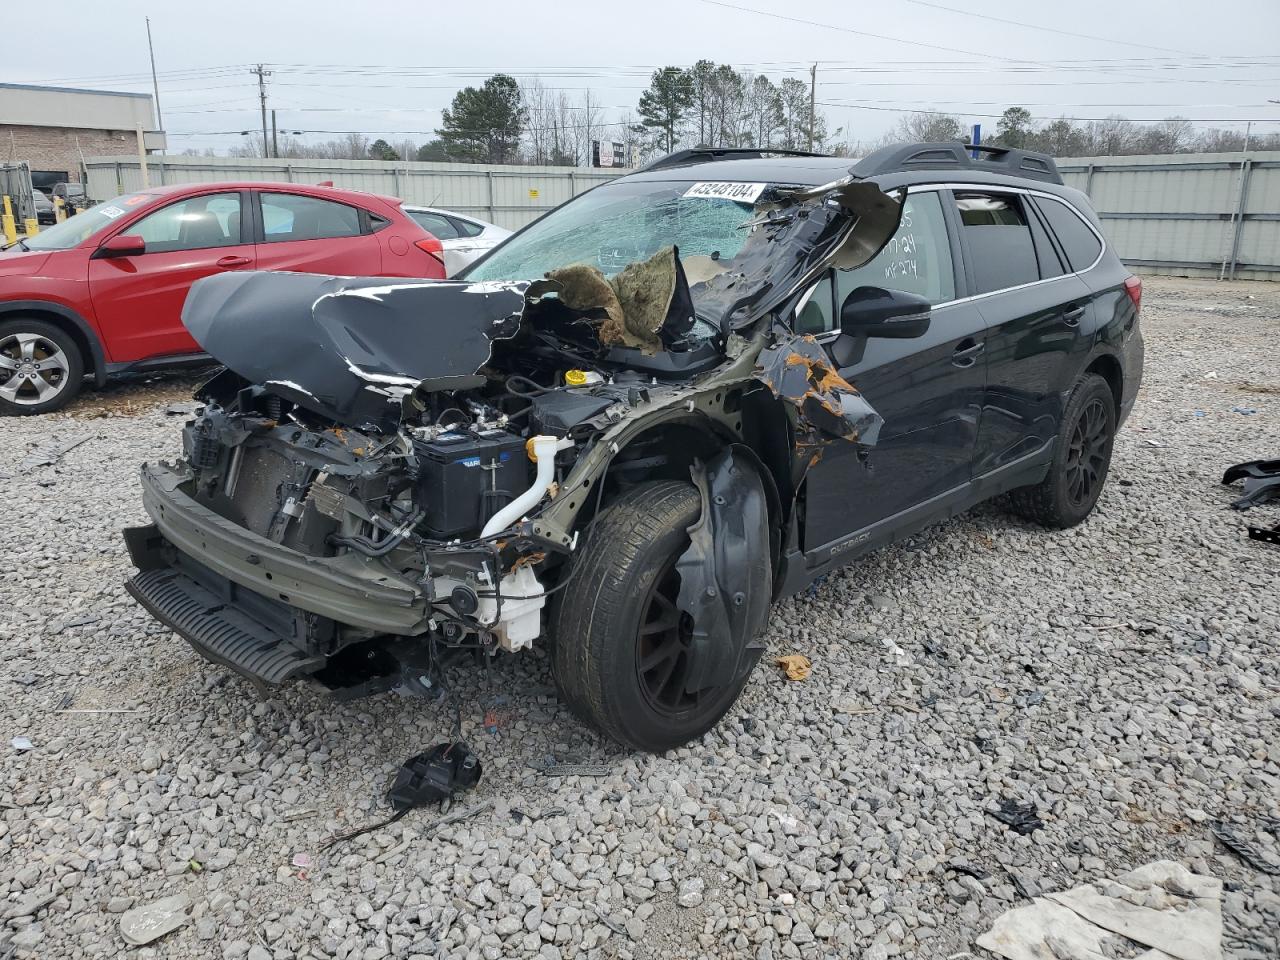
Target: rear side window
{"points": [[1078, 241], [440, 227], [916, 260], [466, 228], [287, 216], [999, 241]]}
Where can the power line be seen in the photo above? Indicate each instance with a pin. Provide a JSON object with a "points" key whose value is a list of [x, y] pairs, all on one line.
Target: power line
{"points": [[1033, 26], [997, 116]]}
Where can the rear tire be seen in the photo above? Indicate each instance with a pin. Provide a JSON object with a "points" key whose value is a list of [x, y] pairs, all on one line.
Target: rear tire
{"points": [[41, 369], [1081, 459], [617, 615]]}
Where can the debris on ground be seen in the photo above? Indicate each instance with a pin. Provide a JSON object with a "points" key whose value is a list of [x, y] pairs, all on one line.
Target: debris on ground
{"points": [[1247, 850], [188, 407], [50, 453], [796, 666], [148, 923], [1019, 817], [551, 767], [1261, 482], [1161, 905], [431, 776], [900, 656], [22, 744]]}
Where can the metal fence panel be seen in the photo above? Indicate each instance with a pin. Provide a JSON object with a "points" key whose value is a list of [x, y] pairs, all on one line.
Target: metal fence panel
{"points": [[1187, 214], [507, 195], [1209, 214]]}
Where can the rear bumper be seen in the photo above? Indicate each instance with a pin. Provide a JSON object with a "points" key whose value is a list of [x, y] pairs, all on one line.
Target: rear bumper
{"points": [[347, 589]]}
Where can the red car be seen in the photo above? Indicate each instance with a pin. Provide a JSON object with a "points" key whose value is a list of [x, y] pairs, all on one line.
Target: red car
{"points": [[102, 292]]}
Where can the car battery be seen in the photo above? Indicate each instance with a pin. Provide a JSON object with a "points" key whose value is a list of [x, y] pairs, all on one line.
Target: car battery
{"points": [[464, 477]]}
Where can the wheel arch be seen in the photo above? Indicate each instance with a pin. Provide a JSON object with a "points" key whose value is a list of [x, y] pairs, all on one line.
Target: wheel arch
{"points": [[1108, 367], [70, 322], [679, 442]]}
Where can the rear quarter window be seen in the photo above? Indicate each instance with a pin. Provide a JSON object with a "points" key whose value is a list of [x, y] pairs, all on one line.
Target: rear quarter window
{"points": [[1078, 241], [999, 241]]}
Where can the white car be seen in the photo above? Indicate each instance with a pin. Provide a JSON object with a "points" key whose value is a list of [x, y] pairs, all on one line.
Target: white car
{"points": [[464, 238]]}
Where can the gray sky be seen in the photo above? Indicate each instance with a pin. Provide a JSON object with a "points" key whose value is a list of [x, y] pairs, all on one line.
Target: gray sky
{"points": [[388, 68]]}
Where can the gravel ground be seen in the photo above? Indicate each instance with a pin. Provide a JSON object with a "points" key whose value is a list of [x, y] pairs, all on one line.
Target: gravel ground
{"points": [[1122, 676]]}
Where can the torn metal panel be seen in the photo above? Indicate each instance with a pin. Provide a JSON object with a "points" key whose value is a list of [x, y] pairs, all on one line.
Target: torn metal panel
{"points": [[842, 224], [798, 370], [350, 348], [725, 576]]}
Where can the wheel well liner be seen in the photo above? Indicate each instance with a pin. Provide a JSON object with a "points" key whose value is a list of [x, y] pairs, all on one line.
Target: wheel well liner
{"points": [[1108, 367], [66, 319], [681, 442]]}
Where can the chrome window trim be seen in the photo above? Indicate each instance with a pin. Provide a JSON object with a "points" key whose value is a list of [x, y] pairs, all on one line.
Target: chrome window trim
{"points": [[988, 188]]}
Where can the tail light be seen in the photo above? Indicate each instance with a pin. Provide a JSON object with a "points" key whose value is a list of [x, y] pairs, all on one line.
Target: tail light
{"points": [[1133, 287], [432, 246]]}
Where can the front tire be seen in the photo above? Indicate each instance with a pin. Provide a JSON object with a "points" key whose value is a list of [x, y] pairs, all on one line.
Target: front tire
{"points": [[41, 369], [1081, 459], [618, 633]]}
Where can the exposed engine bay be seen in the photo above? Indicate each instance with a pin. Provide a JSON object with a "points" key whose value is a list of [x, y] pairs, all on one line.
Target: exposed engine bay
{"points": [[382, 460]]}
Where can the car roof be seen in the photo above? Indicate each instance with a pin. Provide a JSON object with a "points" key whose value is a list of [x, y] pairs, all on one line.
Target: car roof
{"points": [[879, 168], [278, 186], [803, 171], [447, 213]]}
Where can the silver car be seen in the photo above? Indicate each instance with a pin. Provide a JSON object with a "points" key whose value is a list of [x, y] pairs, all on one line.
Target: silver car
{"points": [[464, 238]]}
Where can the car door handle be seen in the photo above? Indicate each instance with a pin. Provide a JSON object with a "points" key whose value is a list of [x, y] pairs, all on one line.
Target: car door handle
{"points": [[226, 263], [966, 354], [1072, 317]]}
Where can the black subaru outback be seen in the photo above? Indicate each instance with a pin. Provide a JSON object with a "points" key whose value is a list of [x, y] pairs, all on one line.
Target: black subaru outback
{"points": [[636, 423]]}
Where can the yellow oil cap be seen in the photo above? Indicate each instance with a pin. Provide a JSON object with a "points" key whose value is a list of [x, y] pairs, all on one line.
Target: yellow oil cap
{"points": [[575, 378], [528, 449]]}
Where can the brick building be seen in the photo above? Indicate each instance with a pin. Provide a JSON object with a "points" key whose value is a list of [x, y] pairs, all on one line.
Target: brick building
{"points": [[52, 128]]}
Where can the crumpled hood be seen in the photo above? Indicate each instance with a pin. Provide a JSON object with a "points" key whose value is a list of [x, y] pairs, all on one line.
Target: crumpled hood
{"points": [[349, 348]]}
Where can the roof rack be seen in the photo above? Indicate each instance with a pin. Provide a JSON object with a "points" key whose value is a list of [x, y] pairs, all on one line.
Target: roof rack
{"points": [[684, 158], [956, 156]]}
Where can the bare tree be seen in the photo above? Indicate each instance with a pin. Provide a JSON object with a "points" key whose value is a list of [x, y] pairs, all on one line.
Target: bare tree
{"points": [[763, 109], [1174, 135]]}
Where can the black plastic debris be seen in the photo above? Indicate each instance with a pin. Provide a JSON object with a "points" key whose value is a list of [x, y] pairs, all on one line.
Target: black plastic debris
{"points": [[1247, 850], [434, 775], [1261, 482], [1019, 817], [1265, 535]]}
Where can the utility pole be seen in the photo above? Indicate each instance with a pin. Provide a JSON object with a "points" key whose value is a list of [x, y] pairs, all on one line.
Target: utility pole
{"points": [[155, 84], [813, 88], [275, 144], [262, 75]]}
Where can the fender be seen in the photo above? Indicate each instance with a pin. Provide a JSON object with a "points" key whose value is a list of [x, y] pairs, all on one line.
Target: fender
{"points": [[96, 354]]}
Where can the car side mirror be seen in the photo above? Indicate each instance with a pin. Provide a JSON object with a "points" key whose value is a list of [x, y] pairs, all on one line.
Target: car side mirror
{"points": [[123, 245], [891, 314]]}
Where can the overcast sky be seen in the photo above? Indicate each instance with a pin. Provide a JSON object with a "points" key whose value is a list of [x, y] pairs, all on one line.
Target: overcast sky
{"points": [[406, 60]]}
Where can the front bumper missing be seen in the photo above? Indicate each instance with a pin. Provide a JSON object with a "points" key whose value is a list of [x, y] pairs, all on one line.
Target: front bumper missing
{"points": [[348, 589]]}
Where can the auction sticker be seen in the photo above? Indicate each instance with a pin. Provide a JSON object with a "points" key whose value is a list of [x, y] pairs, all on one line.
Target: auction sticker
{"points": [[111, 212], [727, 190]]}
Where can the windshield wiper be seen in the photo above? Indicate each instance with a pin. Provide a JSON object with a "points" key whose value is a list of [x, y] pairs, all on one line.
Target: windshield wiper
{"points": [[20, 242]]}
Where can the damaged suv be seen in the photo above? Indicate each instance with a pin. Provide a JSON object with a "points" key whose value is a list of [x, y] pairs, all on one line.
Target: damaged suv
{"points": [[632, 426]]}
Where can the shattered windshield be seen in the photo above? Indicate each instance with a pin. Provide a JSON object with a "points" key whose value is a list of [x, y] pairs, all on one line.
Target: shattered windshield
{"points": [[742, 246], [618, 224], [621, 224]]}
